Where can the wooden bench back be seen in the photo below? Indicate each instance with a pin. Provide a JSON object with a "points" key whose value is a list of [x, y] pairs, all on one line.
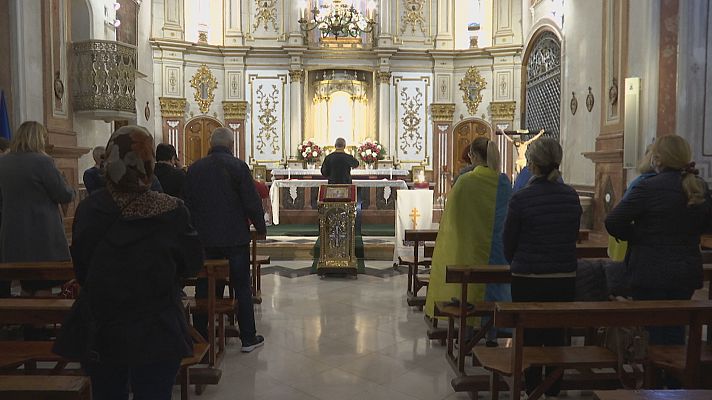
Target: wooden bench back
{"points": [[582, 314], [478, 274], [37, 271], [420, 235]]}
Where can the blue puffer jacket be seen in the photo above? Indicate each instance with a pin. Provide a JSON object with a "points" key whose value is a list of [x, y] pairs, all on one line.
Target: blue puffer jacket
{"points": [[541, 228], [663, 233]]}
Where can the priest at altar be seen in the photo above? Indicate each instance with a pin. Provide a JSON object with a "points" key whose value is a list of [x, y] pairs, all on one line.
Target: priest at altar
{"points": [[337, 165]]}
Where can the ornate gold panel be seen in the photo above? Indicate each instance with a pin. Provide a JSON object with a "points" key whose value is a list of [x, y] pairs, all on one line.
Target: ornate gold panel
{"points": [[204, 83], [472, 85]]}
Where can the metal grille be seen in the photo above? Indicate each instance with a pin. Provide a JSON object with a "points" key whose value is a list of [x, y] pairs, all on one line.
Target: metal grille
{"points": [[543, 90]]}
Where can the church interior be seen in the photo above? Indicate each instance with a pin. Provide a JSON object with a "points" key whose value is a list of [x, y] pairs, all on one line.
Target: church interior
{"points": [[410, 85]]}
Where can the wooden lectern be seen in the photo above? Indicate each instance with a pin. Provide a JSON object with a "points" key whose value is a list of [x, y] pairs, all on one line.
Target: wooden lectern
{"points": [[337, 226]]}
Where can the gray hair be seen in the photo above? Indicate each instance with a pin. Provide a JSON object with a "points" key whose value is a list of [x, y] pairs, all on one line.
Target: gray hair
{"points": [[222, 137], [340, 143], [546, 155], [98, 153]]}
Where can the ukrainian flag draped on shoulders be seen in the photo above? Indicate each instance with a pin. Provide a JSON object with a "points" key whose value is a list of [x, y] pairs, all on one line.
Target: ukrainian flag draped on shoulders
{"points": [[470, 233]]}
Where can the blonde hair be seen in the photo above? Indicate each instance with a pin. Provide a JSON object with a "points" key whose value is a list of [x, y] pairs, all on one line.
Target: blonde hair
{"points": [[487, 151], [673, 152], [645, 165], [546, 154], [29, 138]]}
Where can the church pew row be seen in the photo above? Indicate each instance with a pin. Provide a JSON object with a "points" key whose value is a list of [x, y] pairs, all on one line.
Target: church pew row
{"points": [[24, 387], [419, 237], [509, 363], [652, 395]]}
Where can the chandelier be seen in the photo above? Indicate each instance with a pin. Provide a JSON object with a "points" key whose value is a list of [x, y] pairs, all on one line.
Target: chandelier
{"points": [[337, 18]]}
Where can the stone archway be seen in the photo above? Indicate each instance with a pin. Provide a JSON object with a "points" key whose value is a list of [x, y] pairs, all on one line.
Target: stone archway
{"points": [[463, 134], [197, 138]]}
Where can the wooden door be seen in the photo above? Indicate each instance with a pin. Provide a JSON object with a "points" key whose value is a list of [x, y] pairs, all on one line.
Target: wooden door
{"points": [[464, 133], [197, 138]]}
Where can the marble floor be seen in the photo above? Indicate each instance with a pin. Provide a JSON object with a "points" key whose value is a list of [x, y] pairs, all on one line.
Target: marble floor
{"points": [[337, 339]]}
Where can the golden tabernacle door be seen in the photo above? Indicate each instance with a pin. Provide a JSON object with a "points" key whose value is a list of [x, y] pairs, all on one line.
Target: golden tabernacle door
{"points": [[337, 223]]}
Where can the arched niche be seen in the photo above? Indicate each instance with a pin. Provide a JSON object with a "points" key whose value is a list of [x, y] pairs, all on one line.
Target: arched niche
{"points": [[81, 25]]}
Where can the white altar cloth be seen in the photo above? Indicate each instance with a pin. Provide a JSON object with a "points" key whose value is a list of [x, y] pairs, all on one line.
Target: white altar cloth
{"points": [[295, 183], [354, 172]]}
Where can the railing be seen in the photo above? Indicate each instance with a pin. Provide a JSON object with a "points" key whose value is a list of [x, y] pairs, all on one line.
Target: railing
{"points": [[104, 79]]}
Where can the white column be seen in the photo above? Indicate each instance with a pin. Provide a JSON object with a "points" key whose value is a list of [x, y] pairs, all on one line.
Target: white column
{"points": [[384, 109], [444, 37], [174, 20], [385, 16], [233, 23], [296, 80], [26, 34], [292, 24]]}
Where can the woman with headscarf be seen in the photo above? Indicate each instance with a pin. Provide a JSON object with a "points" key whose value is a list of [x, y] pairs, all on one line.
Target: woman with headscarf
{"points": [[32, 189], [131, 247]]}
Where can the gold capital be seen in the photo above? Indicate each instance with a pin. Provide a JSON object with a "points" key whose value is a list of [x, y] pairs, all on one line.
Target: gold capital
{"points": [[383, 77], [235, 109], [503, 110], [296, 75], [172, 107], [443, 112]]}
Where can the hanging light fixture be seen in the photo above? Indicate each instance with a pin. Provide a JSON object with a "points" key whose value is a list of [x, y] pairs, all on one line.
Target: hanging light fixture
{"points": [[337, 18]]}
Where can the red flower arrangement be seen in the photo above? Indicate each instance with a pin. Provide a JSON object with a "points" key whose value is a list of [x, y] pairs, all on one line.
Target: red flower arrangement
{"points": [[371, 151], [309, 151]]}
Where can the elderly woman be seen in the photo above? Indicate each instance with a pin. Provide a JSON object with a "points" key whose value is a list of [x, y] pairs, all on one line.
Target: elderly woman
{"points": [[32, 189], [131, 248], [539, 236], [662, 218]]}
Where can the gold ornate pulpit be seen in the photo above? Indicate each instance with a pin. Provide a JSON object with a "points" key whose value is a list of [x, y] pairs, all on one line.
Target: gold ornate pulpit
{"points": [[337, 230]]}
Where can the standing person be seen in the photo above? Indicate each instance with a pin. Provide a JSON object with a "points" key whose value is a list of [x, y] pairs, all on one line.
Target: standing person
{"points": [[662, 218], [168, 171], [93, 177], [540, 235], [131, 247], [222, 198], [470, 229], [32, 189], [4, 285], [467, 168], [337, 165]]}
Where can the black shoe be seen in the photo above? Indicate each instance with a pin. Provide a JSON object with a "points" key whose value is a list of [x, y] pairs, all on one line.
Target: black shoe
{"points": [[258, 341], [491, 343]]}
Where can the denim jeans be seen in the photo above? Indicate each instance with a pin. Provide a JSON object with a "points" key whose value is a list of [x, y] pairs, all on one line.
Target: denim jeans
{"points": [[240, 284], [147, 382]]}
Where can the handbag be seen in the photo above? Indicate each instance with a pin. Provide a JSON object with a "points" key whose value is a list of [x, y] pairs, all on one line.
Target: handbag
{"points": [[630, 345]]}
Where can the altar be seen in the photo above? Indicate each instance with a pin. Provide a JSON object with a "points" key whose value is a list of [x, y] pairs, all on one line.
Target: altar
{"points": [[294, 201], [303, 173]]}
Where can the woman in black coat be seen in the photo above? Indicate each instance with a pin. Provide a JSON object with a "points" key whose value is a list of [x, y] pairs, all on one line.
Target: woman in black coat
{"points": [[131, 248], [662, 219]]}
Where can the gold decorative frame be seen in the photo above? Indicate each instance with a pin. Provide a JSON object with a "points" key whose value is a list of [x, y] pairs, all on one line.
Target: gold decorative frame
{"points": [[416, 171], [259, 172], [472, 85], [204, 83]]}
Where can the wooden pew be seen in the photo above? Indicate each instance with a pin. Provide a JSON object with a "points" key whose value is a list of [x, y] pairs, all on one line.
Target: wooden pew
{"points": [[37, 271], [257, 262], [418, 237], [34, 311], [27, 387], [652, 395], [511, 362]]}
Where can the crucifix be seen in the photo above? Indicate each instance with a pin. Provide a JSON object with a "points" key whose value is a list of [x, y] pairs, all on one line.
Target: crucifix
{"points": [[414, 214], [520, 145]]}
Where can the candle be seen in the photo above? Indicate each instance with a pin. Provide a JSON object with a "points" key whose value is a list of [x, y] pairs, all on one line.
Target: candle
{"points": [[391, 173], [289, 173]]}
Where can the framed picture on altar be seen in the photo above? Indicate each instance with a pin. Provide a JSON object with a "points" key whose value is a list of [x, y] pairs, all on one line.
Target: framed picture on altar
{"points": [[293, 163], [337, 193], [384, 164], [418, 173], [259, 173]]}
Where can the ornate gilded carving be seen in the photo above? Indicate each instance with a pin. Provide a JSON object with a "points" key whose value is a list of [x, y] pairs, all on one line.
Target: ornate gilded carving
{"points": [[503, 111], [204, 83], [235, 109], [412, 107], [337, 233], [325, 88], [103, 77], [267, 138], [472, 85], [203, 37], [172, 107], [413, 15], [442, 112], [296, 75], [383, 76], [265, 12]]}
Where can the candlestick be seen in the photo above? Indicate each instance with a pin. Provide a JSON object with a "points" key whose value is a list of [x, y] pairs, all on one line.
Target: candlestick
{"points": [[391, 173], [289, 173]]}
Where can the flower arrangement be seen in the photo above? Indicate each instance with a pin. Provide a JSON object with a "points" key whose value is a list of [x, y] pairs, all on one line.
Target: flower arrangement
{"points": [[371, 151], [309, 151]]}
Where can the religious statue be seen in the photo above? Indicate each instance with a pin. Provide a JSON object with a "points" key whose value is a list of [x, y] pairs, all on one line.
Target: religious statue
{"points": [[521, 147]]}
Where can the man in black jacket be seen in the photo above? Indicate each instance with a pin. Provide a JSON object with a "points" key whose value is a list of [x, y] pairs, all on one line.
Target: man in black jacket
{"points": [[222, 199], [168, 170], [337, 165]]}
